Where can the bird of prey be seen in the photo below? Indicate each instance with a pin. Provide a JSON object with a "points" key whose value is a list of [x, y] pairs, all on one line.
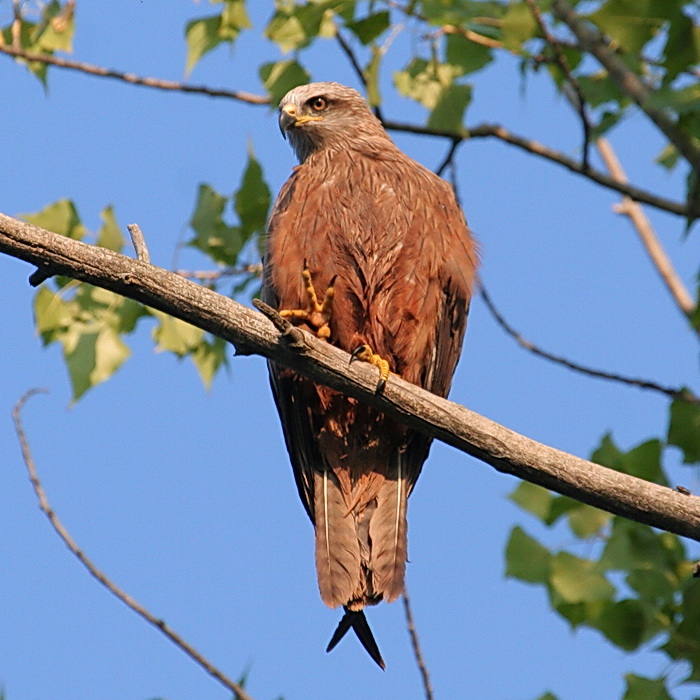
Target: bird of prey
{"points": [[370, 251]]}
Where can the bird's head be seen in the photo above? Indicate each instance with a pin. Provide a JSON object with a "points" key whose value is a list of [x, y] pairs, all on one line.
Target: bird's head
{"points": [[326, 116]]}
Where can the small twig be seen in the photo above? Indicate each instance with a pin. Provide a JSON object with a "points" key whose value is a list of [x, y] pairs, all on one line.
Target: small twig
{"points": [[124, 597], [643, 226], [286, 329], [420, 661], [347, 50], [449, 156], [41, 274], [560, 58], [680, 394], [157, 83], [213, 275], [139, 243]]}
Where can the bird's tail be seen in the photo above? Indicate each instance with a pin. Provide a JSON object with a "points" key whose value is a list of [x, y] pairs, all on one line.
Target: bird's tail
{"points": [[357, 620]]}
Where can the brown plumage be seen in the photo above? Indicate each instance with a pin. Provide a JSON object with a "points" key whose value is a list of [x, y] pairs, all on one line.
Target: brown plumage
{"points": [[389, 237]]}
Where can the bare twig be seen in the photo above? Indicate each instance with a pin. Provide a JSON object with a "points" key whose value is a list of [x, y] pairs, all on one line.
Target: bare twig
{"points": [[646, 233], [504, 449], [593, 41], [449, 157], [415, 643], [561, 60], [651, 243], [539, 149], [680, 394], [347, 50], [157, 83], [139, 243], [213, 275], [124, 597]]}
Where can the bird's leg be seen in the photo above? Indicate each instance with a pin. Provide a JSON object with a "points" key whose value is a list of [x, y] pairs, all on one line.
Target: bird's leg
{"points": [[317, 315], [366, 354]]}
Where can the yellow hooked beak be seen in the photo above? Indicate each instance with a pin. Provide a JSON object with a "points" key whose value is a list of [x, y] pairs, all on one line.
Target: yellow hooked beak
{"points": [[289, 118]]}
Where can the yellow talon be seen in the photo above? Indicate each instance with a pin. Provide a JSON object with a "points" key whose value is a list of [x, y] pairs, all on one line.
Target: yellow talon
{"points": [[366, 354], [316, 315]]}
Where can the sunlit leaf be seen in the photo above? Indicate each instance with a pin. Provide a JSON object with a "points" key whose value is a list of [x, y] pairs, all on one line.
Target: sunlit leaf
{"points": [[448, 112], [578, 580], [466, 55], [110, 235], [278, 78], [60, 217], [175, 335], [624, 623], [632, 23], [532, 498]]}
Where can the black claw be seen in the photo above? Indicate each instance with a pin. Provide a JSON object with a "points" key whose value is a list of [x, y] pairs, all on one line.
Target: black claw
{"points": [[380, 386], [356, 353], [358, 622]]}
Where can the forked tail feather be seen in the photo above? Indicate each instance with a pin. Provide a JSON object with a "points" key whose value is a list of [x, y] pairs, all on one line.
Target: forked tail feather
{"points": [[357, 620]]}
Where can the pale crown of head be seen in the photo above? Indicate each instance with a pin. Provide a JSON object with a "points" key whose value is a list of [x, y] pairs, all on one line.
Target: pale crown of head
{"points": [[331, 116]]}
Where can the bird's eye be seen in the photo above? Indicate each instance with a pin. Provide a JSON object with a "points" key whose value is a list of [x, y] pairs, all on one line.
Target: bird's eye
{"points": [[318, 104]]}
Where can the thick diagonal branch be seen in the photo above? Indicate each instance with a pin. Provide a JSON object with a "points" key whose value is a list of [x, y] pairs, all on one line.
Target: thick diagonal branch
{"points": [[504, 449]]}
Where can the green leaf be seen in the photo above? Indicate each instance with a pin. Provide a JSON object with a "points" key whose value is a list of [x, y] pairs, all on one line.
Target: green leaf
{"points": [[682, 48], [110, 235], [55, 31], [631, 23], [517, 26], [587, 521], [578, 580], [448, 113], [201, 36], [643, 461], [52, 315], [279, 78], [635, 546], [234, 18], [371, 73], [653, 584], [208, 358], [640, 688], [371, 27], [252, 201], [526, 558], [624, 623], [60, 217], [176, 335], [465, 55], [214, 237], [286, 31], [684, 430], [532, 498], [95, 357], [548, 696]]}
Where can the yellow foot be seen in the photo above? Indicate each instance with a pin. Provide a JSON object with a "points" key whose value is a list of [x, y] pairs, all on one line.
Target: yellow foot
{"points": [[317, 315], [366, 354]]}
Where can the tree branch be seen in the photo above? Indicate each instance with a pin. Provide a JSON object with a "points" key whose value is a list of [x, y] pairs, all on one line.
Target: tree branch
{"points": [[690, 210], [679, 394], [157, 83], [504, 449], [415, 645], [539, 149], [651, 243], [593, 42], [560, 59], [101, 577]]}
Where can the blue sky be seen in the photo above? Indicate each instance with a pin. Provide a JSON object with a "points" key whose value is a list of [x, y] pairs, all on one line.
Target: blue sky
{"points": [[186, 498]]}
